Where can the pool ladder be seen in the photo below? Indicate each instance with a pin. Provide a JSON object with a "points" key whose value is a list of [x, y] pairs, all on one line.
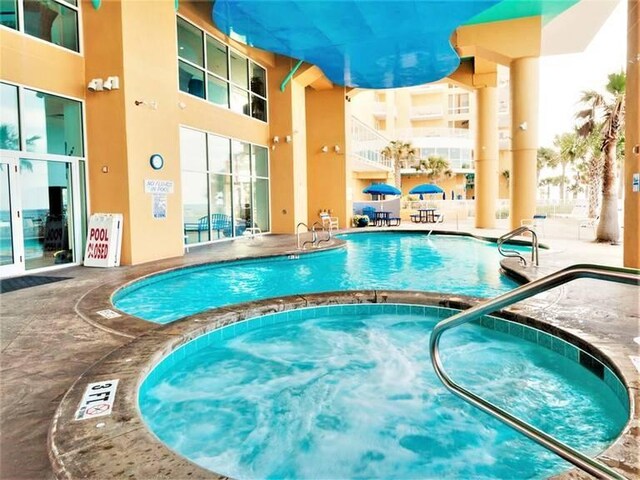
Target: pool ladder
{"points": [[599, 272], [516, 254], [315, 240]]}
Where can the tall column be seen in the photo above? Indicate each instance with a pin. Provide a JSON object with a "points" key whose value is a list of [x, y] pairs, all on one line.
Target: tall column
{"points": [[486, 157], [524, 138], [631, 254]]}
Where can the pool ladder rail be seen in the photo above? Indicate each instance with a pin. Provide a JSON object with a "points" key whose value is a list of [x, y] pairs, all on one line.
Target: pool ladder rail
{"points": [[598, 272], [315, 239], [513, 253]]}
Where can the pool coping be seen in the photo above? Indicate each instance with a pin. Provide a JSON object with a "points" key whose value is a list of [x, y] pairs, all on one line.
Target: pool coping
{"points": [[124, 436]]}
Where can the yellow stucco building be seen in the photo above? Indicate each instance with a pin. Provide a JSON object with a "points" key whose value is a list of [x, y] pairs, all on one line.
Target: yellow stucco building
{"points": [[94, 93]]}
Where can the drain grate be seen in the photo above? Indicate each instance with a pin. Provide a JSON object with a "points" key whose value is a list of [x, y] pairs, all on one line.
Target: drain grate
{"points": [[27, 281]]}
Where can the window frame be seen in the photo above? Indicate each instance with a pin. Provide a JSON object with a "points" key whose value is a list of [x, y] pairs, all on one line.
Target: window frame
{"points": [[227, 81], [65, 3]]}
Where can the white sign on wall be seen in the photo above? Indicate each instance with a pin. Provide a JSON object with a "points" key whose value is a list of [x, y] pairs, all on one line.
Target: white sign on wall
{"points": [[104, 240], [158, 186], [97, 400]]}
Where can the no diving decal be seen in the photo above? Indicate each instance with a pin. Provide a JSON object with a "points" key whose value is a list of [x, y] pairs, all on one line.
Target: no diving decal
{"points": [[97, 400]]}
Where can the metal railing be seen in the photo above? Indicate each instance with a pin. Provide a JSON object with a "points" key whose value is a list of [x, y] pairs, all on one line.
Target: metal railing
{"points": [[314, 236], [367, 145], [515, 253], [322, 229], [612, 274]]}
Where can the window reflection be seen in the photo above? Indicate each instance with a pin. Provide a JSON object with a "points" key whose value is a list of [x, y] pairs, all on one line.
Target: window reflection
{"points": [[9, 13], [52, 124], [51, 21], [47, 216], [9, 123], [195, 207]]}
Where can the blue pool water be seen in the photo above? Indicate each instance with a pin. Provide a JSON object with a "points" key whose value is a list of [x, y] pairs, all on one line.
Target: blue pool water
{"points": [[340, 394], [396, 261]]}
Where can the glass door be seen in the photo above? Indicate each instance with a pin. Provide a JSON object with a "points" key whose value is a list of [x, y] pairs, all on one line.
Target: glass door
{"points": [[47, 212], [11, 252]]}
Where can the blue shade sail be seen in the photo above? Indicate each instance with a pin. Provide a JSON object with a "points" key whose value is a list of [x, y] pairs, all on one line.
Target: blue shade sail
{"points": [[369, 44]]}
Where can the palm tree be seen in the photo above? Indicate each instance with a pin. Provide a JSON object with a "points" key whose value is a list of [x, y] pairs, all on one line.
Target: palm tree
{"points": [[611, 110], [571, 147], [436, 167], [401, 153], [547, 158]]}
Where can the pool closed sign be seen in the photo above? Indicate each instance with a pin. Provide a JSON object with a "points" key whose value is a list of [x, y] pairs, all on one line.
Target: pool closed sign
{"points": [[104, 239]]}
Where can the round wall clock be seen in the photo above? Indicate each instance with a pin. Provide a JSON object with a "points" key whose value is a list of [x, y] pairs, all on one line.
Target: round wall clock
{"points": [[156, 161]]}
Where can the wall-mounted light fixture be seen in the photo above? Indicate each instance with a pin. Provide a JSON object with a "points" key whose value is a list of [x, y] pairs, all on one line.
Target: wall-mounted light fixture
{"points": [[95, 85], [324, 149], [111, 83], [336, 148], [523, 126], [288, 139], [276, 139], [98, 85]]}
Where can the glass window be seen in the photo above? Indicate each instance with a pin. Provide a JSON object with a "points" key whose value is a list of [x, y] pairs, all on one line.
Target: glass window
{"points": [[195, 207], [217, 57], [221, 202], [239, 100], [193, 150], [6, 234], [239, 70], [258, 80], [190, 43], [191, 79], [241, 159], [51, 21], [9, 119], [218, 91], [219, 154], [259, 108], [242, 204], [52, 124], [261, 204], [9, 13], [47, 212], [260, 161]]}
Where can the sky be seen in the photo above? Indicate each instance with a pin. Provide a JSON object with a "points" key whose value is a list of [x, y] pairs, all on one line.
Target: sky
{"points": [[564, 77]]}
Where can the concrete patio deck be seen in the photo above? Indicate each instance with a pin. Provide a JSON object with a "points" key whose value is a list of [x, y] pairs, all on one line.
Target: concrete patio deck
{"points": [[46, 344]]}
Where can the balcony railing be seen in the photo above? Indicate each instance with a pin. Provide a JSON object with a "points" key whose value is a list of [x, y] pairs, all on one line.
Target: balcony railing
{"points": [[366, 145], [430, 132], [427, 111]]}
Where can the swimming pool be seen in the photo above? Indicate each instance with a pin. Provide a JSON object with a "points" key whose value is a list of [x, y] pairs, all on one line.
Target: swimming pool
{"points": [[349, 392], [397, 261]]}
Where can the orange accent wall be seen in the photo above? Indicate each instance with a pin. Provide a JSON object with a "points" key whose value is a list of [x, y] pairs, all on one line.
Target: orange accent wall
{"points": [[328, 174]]}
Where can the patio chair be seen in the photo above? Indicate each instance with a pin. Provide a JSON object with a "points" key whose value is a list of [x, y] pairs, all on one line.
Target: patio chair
{"points": [[221, 222], [536, 223], [328, 222], [371, 213]]}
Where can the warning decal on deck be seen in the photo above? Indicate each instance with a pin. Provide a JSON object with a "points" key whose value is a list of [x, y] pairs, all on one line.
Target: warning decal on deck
{"points": [[108, 313], [97, 400]]}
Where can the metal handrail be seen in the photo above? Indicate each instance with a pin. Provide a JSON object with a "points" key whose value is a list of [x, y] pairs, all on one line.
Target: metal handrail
{"points": [[516, 254], [314, 235], [612, 274], [322, 228]]}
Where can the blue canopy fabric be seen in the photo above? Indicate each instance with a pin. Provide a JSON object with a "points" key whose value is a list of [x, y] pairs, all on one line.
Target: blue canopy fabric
{"points": [[425, 188], [381, 189]]}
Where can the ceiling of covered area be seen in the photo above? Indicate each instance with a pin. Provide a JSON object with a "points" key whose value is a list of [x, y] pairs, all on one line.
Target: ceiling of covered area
{"points": [[370, 43]]}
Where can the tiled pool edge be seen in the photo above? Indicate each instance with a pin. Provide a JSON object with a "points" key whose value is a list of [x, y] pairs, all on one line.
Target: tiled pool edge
{"points": [[125, 435]]}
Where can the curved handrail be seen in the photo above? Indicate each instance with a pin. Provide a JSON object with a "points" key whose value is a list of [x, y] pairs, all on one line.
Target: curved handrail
{"points": [[613, 274], [314, 235], [516, 254], [322, 228]]}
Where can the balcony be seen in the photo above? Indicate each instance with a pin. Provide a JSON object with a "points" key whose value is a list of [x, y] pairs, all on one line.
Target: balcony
{"points": [[365, 147], [426, 112], [379, 109]]}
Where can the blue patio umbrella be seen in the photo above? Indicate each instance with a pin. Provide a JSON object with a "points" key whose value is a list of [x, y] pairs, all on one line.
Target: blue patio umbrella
{"points": [[381, 189], [425, 189]]}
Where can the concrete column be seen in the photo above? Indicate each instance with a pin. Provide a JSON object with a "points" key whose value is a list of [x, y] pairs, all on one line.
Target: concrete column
{"points": [[631, 254], [524, 138], [486, 156]]}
